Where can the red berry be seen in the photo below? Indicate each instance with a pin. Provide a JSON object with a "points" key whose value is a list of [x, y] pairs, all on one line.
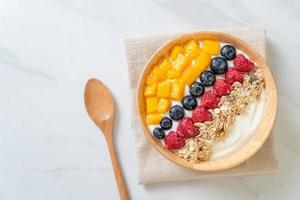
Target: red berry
{"points": [[233, 75], [174, 141], [210, 100], [242, 64], [200, 114], [221, 88], [186, 128]]}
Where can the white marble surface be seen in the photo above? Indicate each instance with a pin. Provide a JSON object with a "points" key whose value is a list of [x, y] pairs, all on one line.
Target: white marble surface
{"points": [[49, 149]]}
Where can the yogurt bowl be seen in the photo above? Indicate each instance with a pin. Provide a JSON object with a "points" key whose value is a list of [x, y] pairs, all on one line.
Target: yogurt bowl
{"points": [[176, 66]]}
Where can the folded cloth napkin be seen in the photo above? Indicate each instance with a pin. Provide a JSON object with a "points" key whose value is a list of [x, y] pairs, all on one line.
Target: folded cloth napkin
{"points": [[152, 166]]}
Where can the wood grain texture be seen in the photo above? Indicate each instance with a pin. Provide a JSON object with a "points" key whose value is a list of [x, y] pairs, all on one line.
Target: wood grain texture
{"points": [[101, 109], [257, 138]]}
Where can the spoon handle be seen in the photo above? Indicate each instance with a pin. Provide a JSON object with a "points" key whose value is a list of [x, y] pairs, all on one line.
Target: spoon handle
{"points": [[117, 169]]}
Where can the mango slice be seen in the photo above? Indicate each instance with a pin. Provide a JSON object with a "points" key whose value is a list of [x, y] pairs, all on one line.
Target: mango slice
{"points": [[151, 104], [163, 105], [159, 74], [165, 65], [150, 90], [192, 49], [173, 74], [190, 74], [151, 79], [154, 118], [211, 47], [164, 89], [176, 51], [181, 62], [177, 90], [202, 61]]}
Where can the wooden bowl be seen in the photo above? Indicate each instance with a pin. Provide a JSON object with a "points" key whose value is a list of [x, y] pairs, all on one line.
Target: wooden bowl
{"points": [[258, 137]]}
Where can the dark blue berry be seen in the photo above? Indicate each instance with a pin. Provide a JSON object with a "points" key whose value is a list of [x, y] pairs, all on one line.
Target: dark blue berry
{"points": [[218, 65], [159, 133], [228, 52], [207, 78], [176, 112], [196, 89], [189, 102], [166, 123]]}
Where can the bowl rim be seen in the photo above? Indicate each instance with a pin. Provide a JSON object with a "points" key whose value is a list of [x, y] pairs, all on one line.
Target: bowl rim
{"points": [[261, 132]]}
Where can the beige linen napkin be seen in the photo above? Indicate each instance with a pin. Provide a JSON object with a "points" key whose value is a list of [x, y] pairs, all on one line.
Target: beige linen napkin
{"points": [[152, 166]]}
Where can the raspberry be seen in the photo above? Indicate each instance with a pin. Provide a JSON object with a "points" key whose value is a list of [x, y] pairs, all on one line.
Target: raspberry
{"points": [[200, 114], [210, 100], [233, 75], [221, 88], [242, 64], [174, 141], [186, 128]]}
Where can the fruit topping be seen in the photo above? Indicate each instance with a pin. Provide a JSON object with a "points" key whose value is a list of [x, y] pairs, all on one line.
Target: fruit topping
{"points": [[190, 74], [233, 75], [165, 65], [163, 105], [207, 78], [186, 128], [221, 87], [210, 100], [177, 90], [159, 133], [228, 52], [159, 74], [218, 65], [166, 123], [173, 74], [202, 61], [174, 141], [176, 51], [181, 62], [189, 102], [164, 89], [154, 118], [211, 47], [150, 90], [192, 49], [176, 112], [196, 89], [151, 104], [151, 79], [200, 114], [242, 64]]}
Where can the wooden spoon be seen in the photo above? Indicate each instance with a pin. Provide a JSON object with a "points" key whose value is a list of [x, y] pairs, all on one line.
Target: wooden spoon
{"points": [[100, 106]]}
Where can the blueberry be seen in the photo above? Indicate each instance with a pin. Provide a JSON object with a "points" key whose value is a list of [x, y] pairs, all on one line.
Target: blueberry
{"points": [[166, 123], [207, 78], [196, 89], [218, 65], [176, 112], [228, 52], [159, 133], [189, 102]]}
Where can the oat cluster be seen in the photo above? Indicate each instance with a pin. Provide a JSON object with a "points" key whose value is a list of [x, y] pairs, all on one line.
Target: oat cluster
{"points": [[199, 148]]}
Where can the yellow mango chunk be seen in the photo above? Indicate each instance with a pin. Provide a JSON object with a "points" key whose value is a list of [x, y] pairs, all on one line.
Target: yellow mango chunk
{"points": [[151, 79], [190, 74], [177, 90], [181, 62], [150, 90], [192, 49], [163, 105], [172, 74], [202, 61], [165, 65], [164, 89], [159, 74], [211, 47], [176, 51], [154, 118], [151, 104]]}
